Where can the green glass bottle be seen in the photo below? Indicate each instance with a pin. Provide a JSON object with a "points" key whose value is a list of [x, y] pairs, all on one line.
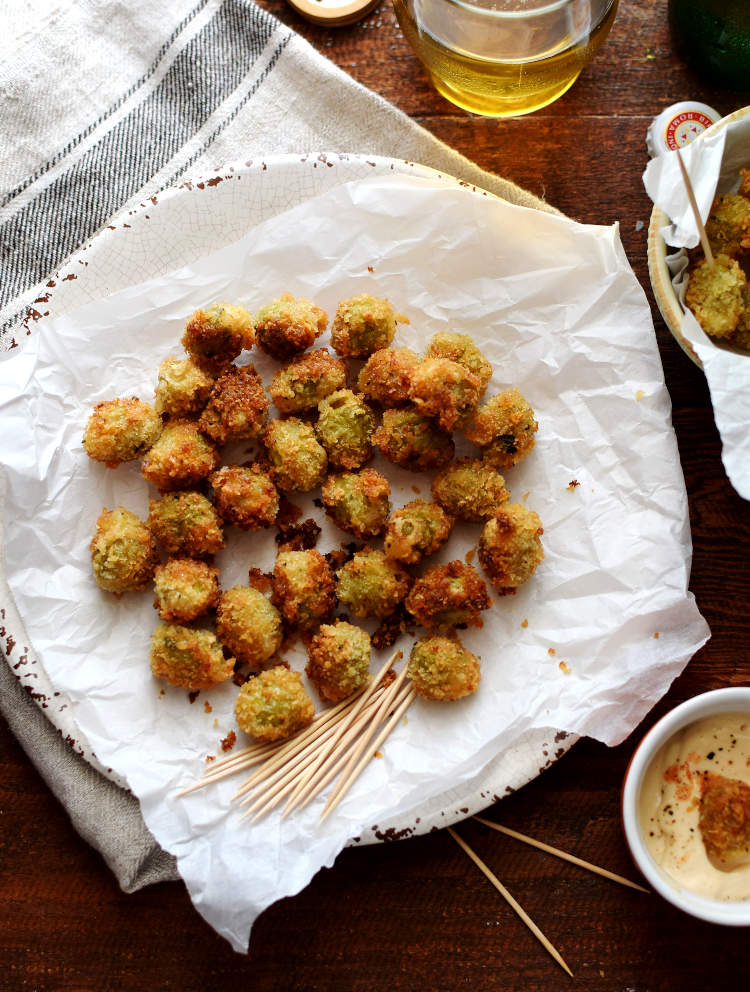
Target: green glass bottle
{"points": [[713, 37]]}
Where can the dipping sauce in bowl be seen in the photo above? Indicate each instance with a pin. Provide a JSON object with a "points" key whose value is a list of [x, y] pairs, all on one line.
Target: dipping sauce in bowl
{"points": [[686, 806]]}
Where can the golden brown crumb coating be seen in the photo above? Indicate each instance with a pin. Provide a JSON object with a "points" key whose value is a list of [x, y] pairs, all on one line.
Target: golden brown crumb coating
{"points": [[413, 441], [120, 430], [216, 336], [182, 388], [445, 391], [288, 326], [510, 547], [370, 585], [345, 427], [358, 502], [273, 705], [303, 588], [237, 407], [469, 489], [245, 497], [715, 295], [728, 226], [416, 530], [298, 461], [448, 596], [504, 428], [185, 589], [362, 325], [385, 378], [188, 658], [462, 349], [307, 380], [724, 821], [248, 625], [186, 523], [182, 457], [339, 660], [123, 552], [441, 669]]}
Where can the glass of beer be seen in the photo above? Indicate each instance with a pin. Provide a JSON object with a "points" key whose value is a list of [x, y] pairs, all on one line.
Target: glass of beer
{"points": [[504, 58]]}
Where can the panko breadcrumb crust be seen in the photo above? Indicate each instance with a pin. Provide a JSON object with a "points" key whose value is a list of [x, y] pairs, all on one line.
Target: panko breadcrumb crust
{"points": [[339, 660], [121, 430], [188, 658], [123, 552], [442, 670], [451, 595], [510, 547], [273, 705]]}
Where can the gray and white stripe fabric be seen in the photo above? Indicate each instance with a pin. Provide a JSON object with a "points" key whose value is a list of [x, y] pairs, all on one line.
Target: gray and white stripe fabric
{"points": [[105, 102]]}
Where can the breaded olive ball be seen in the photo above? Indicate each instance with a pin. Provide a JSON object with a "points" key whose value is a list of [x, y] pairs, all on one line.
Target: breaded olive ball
{"points": [[413, 441], [216, 336], [123, 552], [237, 407], [304, 589], [307, 380], [245, 497], [504, 429], [362, 325], [182, 387], [188, 658], [273, 705], [510, 547], [358, 502], [370, 585], [448, 596], [446, 391], [462, 349], [120, 430], [180, 458], [715, 295], [185, 589], [339, 660], [298, 461], [345, 427], [248, 625], [385, 377], [186, 524], [416, 531], [469, 489], [288, 326], [443, 670]]}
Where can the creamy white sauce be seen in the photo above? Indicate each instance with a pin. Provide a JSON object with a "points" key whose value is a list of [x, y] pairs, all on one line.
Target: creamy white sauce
{"points": [[669, 803]]}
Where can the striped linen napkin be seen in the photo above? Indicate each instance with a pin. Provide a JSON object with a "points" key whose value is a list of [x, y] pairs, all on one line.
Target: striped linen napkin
{"points": [[108, 102]]}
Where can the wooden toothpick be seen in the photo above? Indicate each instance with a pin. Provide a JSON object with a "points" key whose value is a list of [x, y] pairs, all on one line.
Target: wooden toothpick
{"points": [[696, 212]]}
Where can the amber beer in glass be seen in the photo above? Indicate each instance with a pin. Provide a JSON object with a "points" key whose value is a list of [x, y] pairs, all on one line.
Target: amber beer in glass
{"points": [[503, 58]]}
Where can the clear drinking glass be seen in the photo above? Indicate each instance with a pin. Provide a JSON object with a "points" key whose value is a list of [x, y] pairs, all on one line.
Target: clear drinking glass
{"points": [[503, 58]]}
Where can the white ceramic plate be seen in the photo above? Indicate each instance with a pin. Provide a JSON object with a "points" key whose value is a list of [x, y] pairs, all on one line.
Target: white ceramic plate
{"points": [[174, 229]]}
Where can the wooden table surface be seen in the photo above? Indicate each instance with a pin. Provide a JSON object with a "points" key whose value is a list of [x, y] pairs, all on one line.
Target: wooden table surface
{"points": [[416, 914]]}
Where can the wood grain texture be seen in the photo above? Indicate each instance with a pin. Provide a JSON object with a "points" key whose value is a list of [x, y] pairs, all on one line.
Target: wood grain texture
{"points": [[417, 915]]}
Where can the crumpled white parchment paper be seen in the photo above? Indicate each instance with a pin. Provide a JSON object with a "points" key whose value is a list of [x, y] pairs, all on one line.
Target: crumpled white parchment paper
{"points": [[713, 165], [588, 645]]}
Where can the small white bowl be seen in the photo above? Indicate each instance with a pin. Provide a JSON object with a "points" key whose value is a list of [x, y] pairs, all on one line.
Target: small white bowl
{"points": [[732, 700]]}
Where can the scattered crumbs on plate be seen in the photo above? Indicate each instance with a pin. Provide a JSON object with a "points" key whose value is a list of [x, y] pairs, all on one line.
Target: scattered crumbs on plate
{"points": [[210, 758], [162, 692], [525, 496], [378, 754], [370, 268], [573, 485], [406, 720], [564, 668], [208, 708], [640, 393], [469, 556], [193, 695], [229, 741], [524, 622], [656, 635], [216, 722], [550, 651], [416, 489]]}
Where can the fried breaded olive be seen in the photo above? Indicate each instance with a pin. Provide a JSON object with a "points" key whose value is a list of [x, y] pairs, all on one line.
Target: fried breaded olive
{"points": [[416, 531], [273, 705], [445, 391], [188, 658], [216, 336], [362, 325], [443, 670], [504, 429], [385, 377], [186, 524], [248, 625], [724, 821], [298, 461], [370, 585], [469, 489], [462, 349], [123, 552], [345, 427], [358, 502], [303, 588], [448, 596], [185, 589], [741, 336], [307, 380], [180, 458], [237, 407], [182, 387], [339, 660], [728, 226], [288, 326], [245, 497], [120, 430], [714, 295], [510, 547], [413, 441]]}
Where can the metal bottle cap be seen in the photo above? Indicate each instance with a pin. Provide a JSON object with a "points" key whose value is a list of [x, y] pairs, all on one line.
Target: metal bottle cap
{"points": [[678, 125]]}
